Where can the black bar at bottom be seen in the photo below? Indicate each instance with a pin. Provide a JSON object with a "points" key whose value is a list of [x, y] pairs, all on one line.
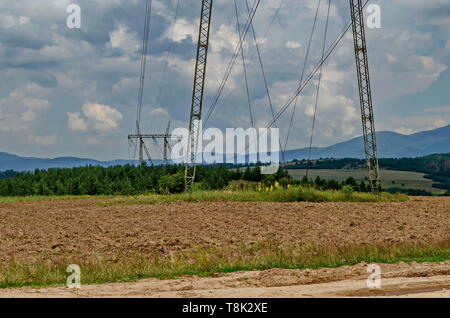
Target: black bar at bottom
{"points": [[207, 307]]}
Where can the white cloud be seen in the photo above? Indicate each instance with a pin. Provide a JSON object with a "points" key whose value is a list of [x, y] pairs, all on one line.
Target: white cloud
{"points": [[432, 68], [33, 106], [124, 39], [404, 131], [64, 48], [22, 107], [159, 112], [225, 38], [183, 29], [417, 123], [410, 74], [76, 123], [439, 123], [125, 83], [293, 45], [102, 118], [8, 21]]}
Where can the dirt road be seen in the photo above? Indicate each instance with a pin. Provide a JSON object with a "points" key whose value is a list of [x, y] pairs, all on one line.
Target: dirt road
{"points": [[398, 280]]}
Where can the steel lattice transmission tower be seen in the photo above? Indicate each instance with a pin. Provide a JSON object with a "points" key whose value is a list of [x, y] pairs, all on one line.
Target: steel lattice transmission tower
{"points": [[365, 94], [166, 146], [197, 95]]}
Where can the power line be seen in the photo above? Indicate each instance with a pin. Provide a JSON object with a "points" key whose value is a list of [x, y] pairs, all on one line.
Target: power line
{"points": [[261, 64], [266, 85], [318, 90], [303, 72], [148, 10], [311, 75], [244, 66], [275, 15], [233, 59], [239, 47]]}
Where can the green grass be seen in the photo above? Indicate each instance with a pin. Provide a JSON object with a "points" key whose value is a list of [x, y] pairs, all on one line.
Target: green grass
{"points": [[297, 194], [402, 179], [204, 262], [49, 198]]}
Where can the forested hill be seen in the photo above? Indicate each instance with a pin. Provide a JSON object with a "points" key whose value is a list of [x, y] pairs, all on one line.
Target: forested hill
{"points": [[427, 164], [18, 163]]}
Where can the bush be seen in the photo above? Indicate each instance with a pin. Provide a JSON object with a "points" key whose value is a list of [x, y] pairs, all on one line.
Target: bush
{"points": [[170, 184], [347, 189]]}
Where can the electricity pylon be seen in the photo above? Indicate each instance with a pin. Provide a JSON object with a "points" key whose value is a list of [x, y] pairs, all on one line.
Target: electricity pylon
{"points": [[197, 94], [166, 137], [365, 94]]}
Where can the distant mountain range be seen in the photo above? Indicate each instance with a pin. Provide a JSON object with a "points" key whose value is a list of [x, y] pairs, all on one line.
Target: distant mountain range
{"points": [[17, 163], [390, 145]]}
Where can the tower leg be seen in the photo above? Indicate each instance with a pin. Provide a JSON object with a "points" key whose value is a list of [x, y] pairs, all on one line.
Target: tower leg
{"points": [[197, 94], [141, 150], [166, 145]]}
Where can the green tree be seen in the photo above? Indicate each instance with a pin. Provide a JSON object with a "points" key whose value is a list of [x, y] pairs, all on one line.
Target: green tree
{"points": [[169, 184]]}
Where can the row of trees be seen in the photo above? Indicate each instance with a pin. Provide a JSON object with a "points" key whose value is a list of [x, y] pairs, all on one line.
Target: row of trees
{"points": [[432, 164], [330, 184], [95, 180], [129, 180], [436, 167], [124, 180], [328, 163]]}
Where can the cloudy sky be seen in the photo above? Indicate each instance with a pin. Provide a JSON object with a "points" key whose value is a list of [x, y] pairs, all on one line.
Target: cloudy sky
{"points": [[74, 91]]}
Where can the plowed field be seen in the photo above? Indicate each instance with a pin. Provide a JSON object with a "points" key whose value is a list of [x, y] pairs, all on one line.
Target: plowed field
{"points": [[36, 230]]}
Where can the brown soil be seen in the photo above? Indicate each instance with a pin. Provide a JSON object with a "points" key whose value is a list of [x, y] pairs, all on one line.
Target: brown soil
{"points": [[398, 280], [30, 230]]}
